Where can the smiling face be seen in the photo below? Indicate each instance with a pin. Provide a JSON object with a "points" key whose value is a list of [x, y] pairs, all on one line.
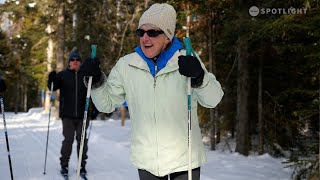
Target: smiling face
{"points": [[152, 46]]}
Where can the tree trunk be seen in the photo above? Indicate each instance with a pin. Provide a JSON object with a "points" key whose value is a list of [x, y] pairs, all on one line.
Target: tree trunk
{"points": [[212, 120], [215, 130], [260, 109], [242, 141], [123, 115], [232, 123], [49, 65], [60, 37], [60, 48], [74, 26], [147, 4], [25, 98], [134, 15], [16, 106], [319, 120]]}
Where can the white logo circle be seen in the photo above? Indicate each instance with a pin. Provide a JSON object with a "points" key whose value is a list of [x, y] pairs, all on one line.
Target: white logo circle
{"points": [[254, 11]]}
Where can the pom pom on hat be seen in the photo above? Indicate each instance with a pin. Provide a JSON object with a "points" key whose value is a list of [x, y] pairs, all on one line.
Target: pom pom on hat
{"points": [[162, 16], [75, 55]]}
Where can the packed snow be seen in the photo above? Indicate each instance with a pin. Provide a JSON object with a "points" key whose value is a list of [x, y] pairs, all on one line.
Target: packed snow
{"points": [[109, 147]]}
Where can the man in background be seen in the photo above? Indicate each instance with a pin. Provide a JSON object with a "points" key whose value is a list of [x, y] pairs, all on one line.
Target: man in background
{"points": [[72, 106]]}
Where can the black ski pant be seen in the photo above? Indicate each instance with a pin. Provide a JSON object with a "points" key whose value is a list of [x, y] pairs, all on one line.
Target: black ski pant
{"points": [[183, 175], [72, 128]]}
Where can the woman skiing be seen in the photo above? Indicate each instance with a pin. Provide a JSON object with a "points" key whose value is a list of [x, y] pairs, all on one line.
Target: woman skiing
{"points": [[152, 80]]}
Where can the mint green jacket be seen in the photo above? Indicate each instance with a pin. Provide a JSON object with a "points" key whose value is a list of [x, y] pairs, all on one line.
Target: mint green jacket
{"points": [[159, 112]]}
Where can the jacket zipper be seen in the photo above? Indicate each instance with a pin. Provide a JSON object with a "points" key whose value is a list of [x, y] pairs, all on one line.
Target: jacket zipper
{"points": [[154, 87], [76, 94], [155, 73]]}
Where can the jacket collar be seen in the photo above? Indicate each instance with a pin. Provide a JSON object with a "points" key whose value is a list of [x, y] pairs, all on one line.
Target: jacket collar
{"points": [[71, 70]]}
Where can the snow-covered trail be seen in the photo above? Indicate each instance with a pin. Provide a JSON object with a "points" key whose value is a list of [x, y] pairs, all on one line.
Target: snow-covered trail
{"points": [[108, 151], [109, 147]]}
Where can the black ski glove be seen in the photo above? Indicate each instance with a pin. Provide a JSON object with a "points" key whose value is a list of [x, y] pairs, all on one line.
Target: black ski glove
{"points": [[190, 66], [91, 67], [52, 78], [2, 85]]}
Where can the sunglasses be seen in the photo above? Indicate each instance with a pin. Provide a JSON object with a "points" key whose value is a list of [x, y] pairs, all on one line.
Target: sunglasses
{"points": [[150, 33], [74, 59]]}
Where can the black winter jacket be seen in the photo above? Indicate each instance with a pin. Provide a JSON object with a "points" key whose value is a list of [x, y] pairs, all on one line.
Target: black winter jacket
{"points": [[72, 93]]}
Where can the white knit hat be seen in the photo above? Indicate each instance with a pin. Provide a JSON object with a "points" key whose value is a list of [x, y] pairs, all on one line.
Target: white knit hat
{"points": [[162, 16]]}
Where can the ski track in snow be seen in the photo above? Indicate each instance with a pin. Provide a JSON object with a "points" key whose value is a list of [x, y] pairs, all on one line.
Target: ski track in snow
{"points": [[108, 152], [27, 139]]}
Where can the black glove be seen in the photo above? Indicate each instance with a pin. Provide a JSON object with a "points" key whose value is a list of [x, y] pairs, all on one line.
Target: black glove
{"points": [[2, 85], [190, 66], [91, 67], [52, 78], [94, 114]]}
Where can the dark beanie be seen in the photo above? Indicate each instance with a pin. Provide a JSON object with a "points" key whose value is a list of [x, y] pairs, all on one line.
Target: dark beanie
{"points": [[74, 55]]}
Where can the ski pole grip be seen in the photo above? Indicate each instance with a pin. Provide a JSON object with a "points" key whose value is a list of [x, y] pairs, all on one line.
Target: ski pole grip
{"points": [[188, 45], [93, 51]]}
